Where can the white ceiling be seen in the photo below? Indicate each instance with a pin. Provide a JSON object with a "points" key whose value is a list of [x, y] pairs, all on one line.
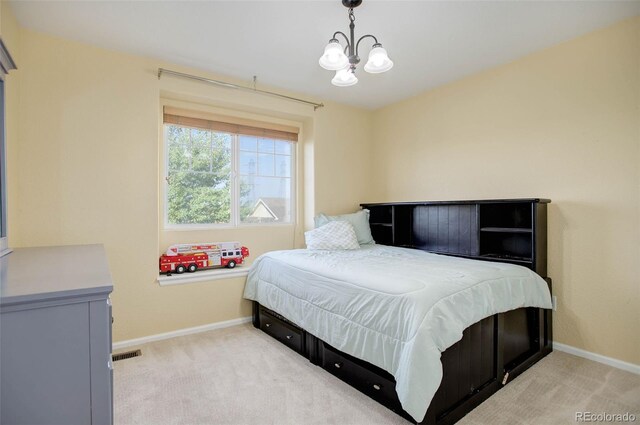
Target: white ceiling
{"points": [[431, 42]]}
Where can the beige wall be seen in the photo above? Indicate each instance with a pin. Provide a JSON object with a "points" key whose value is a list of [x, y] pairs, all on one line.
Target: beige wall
{"points": [[87, 171], [563, 123], [343, 167]]}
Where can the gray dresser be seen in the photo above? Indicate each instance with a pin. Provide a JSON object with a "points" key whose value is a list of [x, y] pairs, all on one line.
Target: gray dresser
{"points": [[55, 336]]}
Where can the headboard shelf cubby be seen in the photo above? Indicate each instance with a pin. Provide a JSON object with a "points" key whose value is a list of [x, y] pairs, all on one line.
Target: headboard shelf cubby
{"points": [[503, 230]]}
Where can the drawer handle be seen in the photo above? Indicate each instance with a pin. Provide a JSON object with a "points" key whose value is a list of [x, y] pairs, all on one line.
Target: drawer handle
{"points": [[289, 336], [338, 365], [266, 325], [376, 387]]}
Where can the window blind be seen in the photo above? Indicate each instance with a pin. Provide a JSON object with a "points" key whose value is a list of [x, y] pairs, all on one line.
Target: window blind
{"points": [[247, 127]]}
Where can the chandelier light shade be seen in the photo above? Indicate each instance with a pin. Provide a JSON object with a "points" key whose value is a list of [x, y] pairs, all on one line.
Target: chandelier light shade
{"points": [[344, 60], [345, 78], [333, 58], [378, 60]]}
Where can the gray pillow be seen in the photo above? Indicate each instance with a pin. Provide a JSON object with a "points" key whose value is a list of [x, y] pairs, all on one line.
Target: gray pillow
{"points": [[359, 220]]}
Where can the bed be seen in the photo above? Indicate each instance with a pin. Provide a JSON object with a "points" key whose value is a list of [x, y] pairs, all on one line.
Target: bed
{"points": [[428, 335]]}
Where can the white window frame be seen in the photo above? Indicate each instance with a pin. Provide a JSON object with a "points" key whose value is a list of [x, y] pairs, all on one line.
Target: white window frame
{"points": [[235, 189], [6, 65]]}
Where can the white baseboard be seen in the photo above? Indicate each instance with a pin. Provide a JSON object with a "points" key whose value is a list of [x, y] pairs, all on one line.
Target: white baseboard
{"points": [[619, 364], [180, 332]]}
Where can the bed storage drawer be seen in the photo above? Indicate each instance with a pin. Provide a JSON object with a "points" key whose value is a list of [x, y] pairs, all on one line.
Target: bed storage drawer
{"points": [[285, 332], [365, 377]]}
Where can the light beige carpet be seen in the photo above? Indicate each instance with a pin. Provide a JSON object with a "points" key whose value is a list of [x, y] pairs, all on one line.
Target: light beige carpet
{"points": [[241, 376]]}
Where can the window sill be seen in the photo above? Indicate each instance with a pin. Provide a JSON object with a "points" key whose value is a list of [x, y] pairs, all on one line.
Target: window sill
{"points": [[216, 274]]}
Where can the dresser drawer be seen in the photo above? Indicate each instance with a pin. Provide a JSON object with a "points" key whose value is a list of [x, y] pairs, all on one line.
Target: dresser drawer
{"points": [[367, 378], [285, 332]]}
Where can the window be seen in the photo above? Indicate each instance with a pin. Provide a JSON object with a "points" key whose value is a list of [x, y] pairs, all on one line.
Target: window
{"points": [[225, 173], [6, 64], [265, 180]]}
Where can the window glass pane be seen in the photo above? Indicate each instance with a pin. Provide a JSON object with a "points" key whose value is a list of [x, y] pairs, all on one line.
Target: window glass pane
{"points": [[265, 145], [283, 148], [199, 198], [265, 199], [201, 152], [248, 143], [221, 140], [199, 186], [200, 136], [220, 155], [177, 134], [178, 154], [283, 166], [248, 163], [266, 164]]}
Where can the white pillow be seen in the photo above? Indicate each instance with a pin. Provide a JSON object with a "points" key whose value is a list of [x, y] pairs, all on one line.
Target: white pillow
{"points": [[359, 220], [333, 235]]}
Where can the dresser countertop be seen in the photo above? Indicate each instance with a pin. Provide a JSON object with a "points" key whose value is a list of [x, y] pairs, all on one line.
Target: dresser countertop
{"points": [[47, 273]]}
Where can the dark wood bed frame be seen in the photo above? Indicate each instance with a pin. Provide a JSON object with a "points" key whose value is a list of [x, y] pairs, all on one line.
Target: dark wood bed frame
{"points": [[491, 352]]}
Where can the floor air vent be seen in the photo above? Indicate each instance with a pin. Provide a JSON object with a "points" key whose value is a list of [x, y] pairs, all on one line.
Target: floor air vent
{"points": [[126, 355]]}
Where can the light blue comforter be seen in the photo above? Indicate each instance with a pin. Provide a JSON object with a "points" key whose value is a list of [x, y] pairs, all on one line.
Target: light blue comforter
{"points": [[396, 308]]}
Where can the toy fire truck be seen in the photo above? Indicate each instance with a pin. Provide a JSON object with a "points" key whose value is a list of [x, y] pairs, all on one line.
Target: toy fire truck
{"points": [[191, 257]]}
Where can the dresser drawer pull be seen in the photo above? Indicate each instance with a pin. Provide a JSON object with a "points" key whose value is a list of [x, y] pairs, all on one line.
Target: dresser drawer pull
{"points": [[338, 365], [267, 325], [289, 336], [376, 387]]}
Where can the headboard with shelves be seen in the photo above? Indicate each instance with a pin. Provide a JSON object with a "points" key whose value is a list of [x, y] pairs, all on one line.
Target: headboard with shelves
{"points": [[504, 230]]}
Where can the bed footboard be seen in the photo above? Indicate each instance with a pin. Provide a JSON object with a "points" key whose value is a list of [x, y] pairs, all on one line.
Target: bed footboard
{"points": [[490, 354]]}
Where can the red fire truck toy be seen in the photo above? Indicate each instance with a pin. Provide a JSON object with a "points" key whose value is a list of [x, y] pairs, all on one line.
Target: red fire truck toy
{"points": [[191, 257]]}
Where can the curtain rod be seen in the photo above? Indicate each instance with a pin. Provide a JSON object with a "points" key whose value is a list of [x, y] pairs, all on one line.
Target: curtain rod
{"points": [[235, 86]]}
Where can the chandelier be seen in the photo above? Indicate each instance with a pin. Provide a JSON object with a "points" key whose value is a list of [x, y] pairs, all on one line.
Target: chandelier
{"points": [[344, 60]]}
